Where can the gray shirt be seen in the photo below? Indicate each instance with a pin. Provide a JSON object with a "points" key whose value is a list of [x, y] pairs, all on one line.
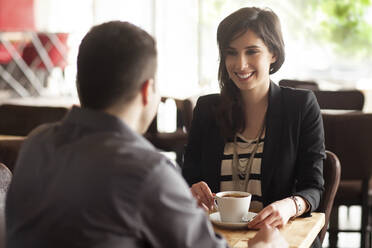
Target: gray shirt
{"points": [[90, 181]]}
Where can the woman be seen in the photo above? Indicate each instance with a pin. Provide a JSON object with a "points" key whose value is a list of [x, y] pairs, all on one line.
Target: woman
{"points": [[256, 136]]}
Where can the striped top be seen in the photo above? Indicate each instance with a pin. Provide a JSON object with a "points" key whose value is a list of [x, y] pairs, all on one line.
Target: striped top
{"points": [[244, 151]]}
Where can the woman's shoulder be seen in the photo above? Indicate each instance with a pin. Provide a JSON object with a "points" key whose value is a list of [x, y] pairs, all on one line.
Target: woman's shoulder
{"points": [[208, 106], [208, 101], [211, 98], [296, 92], [298, 102], [297, 96]]}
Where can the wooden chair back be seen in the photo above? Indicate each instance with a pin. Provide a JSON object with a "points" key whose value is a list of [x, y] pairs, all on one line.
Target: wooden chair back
{"points": [[309, 85], [349, 136], [342, 100], [174, 141], [331, 174], [21, 119]]}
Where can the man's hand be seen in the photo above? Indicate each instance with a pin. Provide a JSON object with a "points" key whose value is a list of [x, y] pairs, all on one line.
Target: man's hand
{"points": [[268, 237]]}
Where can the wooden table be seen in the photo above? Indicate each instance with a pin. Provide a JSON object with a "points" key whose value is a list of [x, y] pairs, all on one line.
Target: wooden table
{"points": [[8, 137], [300, 232]]}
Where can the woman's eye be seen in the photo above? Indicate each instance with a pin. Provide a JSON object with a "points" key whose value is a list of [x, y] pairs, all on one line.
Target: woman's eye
{"points": [[230, 52], [250, 52]]}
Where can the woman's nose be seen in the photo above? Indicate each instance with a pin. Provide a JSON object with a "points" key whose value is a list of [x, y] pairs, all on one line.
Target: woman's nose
{"points": [[242, 62]]}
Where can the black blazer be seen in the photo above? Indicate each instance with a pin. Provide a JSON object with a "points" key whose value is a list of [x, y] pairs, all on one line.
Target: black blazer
{"points": [[293, 153]]}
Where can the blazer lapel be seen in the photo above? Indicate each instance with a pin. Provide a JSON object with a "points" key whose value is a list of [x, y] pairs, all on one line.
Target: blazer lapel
{"points": [[215, 171], [272, 139], [217, 145]]}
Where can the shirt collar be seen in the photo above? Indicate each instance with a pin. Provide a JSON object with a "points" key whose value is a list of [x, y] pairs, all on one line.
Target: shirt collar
{"points": [[101, 121]]}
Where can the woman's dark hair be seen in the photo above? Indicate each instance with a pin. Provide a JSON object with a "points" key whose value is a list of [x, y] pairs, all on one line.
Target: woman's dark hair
{"points": [[266, 25], [114, 60]]}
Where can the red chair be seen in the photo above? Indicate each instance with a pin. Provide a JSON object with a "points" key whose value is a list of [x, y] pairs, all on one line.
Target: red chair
{"points": [[5, 56], [9, 56], [46, 52], [55, 46], [15, 16]]}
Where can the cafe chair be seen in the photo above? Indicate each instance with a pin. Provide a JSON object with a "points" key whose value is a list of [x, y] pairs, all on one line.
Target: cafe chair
{"points": [[331, 174], [349, 136], [5, 178], [340, 100], [46, 52], [7, 67], [327, 99], [9, 149], [174, 141], [16, 17], [300, 84], [55, 47], [19, 120]]}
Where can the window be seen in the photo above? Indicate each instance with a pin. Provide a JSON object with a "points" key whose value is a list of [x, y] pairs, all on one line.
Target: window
{"points": [[186, 36]]}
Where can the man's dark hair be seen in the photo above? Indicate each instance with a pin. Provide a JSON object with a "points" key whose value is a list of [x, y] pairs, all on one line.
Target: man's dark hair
{"points": [[114, 60]]}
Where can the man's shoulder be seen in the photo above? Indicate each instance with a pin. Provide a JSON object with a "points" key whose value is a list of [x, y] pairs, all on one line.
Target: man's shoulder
{"points": [[41, 133], [132, 154], [296, 104], [133, 167], [144, 156]]}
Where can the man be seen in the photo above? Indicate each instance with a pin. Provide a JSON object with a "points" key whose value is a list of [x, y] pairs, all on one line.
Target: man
{"points": [[92, 180]]}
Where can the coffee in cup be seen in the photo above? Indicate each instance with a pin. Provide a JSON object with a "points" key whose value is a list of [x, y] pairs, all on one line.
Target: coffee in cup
{"points": [[234, 195], [233, 205]]}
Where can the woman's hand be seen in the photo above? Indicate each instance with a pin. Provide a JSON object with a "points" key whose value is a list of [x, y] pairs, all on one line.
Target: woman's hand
{"points": [[276, 214], [203, 195]]}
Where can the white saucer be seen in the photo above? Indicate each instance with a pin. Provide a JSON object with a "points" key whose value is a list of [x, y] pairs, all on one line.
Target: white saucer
{"points": [[216, 219]]}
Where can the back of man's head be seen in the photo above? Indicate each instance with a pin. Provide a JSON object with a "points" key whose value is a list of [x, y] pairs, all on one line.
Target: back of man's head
{"points": [[114, 59]]}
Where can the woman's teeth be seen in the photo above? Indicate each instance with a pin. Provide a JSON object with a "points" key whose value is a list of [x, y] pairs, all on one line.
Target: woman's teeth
{"points": [[244, 76]]}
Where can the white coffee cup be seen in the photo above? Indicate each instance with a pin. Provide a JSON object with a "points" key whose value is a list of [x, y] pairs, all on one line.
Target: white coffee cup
{"points": [[233, 205]]}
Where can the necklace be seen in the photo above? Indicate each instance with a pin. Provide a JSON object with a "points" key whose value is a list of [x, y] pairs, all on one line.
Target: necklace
{"points": [[241, 172], [245, 145]]}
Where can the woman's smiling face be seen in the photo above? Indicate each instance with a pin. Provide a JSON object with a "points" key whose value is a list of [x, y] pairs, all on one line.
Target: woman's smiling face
{"points": [[247, 61]]}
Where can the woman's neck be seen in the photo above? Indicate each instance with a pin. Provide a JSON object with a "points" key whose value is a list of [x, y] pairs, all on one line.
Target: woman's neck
{"points": [[255, 106], [256, 100]]}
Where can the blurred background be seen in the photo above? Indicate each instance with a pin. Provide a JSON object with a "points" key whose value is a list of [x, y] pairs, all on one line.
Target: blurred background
{"points": [[327, 41]]}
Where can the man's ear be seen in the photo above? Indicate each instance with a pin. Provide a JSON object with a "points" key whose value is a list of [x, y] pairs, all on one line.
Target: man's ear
{"points": [[145, 91]]}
